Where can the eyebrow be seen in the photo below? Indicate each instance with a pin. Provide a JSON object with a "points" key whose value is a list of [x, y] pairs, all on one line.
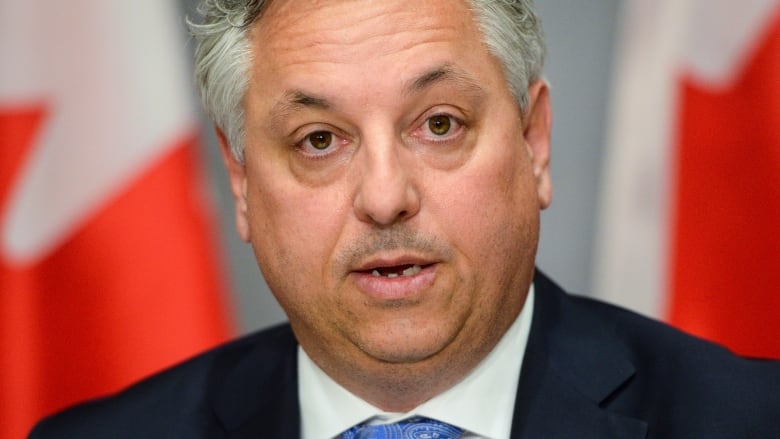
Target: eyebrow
{"points": [[297, 98], [445, 73], [294, 100]]}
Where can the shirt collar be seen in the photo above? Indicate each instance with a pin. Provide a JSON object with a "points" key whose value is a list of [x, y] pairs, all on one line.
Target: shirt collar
{"points": [[327, 409]]}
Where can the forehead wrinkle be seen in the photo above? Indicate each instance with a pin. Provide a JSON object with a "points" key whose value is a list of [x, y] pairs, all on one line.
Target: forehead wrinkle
{"points": [[357, 51]]}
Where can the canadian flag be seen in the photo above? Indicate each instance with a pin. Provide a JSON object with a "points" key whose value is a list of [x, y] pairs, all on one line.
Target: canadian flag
{"points": [[108, 269], [690, 226]]}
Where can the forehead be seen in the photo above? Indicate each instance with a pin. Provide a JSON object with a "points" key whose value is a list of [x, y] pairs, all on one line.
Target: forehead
{"points": [[287, 23], [310, 38]]}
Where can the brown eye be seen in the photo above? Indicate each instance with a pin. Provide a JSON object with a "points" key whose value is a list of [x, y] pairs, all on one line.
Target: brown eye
{"points": [[320, 139], [439, 125]]}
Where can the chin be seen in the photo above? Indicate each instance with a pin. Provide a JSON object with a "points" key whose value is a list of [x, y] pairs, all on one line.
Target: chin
{"points": [[407, 347], [394, 355]]}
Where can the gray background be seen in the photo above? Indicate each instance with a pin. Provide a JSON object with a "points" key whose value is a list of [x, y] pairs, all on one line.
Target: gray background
{"points": [[580, 38]]}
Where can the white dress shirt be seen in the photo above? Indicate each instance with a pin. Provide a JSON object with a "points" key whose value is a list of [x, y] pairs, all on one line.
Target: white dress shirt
{"points": [[482, 403]]}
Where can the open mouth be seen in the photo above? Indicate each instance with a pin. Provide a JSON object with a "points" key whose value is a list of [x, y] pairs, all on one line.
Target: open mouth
{"points": [[395, 279], [393, 272]]}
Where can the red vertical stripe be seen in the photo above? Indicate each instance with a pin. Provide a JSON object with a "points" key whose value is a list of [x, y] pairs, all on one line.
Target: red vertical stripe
{"points": [[18, 365], [725, 264], [137, 288]]}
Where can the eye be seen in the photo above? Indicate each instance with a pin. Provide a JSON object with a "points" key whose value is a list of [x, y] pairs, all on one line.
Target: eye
{"points": [[439, 124], [440, 127], [319, 144], [319, 140]]}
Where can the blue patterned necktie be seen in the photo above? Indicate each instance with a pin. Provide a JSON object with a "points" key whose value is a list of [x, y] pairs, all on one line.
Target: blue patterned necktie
{"points": [[412, 428]]}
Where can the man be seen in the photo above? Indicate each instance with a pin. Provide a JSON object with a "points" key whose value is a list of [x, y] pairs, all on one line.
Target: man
{"points": [[389, 161]]}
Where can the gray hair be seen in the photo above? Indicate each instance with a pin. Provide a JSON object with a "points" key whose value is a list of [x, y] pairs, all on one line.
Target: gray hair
{"points": [[512, 32]]}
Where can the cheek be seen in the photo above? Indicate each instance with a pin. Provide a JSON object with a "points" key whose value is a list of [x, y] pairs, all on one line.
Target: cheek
{"points": [[491, 214], [293, 230]]}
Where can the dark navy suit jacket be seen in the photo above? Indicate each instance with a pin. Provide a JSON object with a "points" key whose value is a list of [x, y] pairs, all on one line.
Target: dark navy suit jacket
{"points": [[590, 371]]}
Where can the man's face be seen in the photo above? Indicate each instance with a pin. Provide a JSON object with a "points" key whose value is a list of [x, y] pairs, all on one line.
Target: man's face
{"points": [[392, 187]]}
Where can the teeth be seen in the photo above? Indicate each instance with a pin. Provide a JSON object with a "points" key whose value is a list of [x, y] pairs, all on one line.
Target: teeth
{"points": [[411, 271]]}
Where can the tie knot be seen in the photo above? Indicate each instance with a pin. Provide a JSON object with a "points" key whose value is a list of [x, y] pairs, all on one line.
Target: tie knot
{"points": [[412, 428]]}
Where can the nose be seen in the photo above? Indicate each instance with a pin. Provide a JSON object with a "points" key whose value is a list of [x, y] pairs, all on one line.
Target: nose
{"points": [[386, 192]]}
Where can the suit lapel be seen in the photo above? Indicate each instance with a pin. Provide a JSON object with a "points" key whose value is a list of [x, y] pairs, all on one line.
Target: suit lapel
{"points": [[259, 396], [573, 365]]}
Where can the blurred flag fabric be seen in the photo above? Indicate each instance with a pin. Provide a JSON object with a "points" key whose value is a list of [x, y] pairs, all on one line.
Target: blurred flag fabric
{"points": [[108, 265], [690, 217]]}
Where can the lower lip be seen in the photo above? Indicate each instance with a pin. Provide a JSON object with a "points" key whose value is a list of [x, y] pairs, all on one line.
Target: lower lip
{"points": [[401, 287]]}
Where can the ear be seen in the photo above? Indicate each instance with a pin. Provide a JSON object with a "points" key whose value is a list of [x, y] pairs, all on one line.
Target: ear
{"points": [[537, 123], [238, 184]]}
